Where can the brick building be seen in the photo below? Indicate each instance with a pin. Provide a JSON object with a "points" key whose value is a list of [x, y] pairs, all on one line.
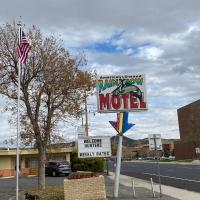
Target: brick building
{"points": [[139, 151], [189, 126], [133, 152]]}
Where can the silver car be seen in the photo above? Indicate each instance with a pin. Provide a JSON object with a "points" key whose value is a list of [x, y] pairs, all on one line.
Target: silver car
{"points": [[56, 168]]}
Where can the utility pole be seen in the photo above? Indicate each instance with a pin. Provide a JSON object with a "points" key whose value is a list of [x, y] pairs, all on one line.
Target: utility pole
{"points": [[86, 115]]}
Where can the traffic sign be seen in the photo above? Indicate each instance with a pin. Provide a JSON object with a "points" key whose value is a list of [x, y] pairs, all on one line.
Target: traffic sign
{"points": [[155, 142]]}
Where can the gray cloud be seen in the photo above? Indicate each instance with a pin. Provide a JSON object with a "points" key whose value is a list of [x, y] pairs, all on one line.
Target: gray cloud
{"points": [[158, 38], [155, 16]]}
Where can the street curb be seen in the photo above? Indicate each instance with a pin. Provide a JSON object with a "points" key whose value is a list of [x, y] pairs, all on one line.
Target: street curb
{"points": [[9, 177]]}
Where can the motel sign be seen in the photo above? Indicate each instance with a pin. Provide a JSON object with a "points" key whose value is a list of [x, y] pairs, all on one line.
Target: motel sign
{"points": [[121, 93]]}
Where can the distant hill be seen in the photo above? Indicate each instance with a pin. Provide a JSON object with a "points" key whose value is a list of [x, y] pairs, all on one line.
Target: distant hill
{"points": [[128, 142]]}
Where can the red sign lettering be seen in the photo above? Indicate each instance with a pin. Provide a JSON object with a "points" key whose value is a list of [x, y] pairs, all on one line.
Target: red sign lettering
{"points": [[116, 102], [104, 101]]}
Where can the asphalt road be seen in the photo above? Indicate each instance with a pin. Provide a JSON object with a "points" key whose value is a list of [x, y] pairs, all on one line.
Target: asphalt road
{"points": [[8, 186], [176, 175]]}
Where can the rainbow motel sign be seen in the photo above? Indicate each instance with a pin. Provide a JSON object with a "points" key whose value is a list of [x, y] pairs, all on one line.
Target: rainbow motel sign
{"points": [[121, 93]]}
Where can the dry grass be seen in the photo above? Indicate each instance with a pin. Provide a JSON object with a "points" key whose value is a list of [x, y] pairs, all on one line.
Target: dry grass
{"points": [[50, 193]]}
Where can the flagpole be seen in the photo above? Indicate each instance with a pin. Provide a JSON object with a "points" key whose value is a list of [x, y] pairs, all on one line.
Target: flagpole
{"points": [[18, 119]]}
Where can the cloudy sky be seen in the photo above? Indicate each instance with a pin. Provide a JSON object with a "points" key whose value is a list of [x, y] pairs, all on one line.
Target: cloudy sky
{"points": [[160, 39]]}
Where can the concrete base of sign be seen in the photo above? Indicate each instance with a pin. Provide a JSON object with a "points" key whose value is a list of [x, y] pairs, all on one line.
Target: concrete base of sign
{"points": [[85, 189]]}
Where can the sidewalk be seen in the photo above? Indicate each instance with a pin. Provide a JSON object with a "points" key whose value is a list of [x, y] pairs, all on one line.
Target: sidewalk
{"points": [[143, 190]]}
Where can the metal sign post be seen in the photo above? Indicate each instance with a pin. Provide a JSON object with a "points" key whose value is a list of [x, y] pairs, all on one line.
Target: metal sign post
{"points": [[156, 144], [158, 165], [107, 170]]}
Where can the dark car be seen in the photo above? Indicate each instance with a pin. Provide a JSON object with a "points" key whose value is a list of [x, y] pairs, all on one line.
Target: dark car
{"points": [[56, 168]]}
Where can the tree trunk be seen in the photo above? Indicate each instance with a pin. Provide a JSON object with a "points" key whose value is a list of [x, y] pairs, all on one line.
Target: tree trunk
{"points": [[41, 167]]}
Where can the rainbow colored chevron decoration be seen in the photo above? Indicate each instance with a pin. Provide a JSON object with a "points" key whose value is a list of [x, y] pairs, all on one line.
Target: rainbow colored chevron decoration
{"points": [[121, 125]]}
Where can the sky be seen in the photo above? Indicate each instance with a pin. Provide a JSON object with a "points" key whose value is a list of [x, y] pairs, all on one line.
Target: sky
{"points": [[160, 39]]}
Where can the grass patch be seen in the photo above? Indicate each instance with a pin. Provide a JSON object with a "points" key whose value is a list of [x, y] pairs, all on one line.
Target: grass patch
{"points": [[50, 193], [167, 160], [187, 160], [181, 161]]}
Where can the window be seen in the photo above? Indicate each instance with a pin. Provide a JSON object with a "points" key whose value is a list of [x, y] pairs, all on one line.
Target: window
{"points": [[31, 162]]}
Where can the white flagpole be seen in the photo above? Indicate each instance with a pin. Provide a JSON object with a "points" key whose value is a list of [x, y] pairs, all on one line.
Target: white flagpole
{"points": [[18, 120]]}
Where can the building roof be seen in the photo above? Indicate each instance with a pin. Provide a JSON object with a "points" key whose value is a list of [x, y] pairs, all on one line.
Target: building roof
{"points": [[191, 104], [34, 151]]}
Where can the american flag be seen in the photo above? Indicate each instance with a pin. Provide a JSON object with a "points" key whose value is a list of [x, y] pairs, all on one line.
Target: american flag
{"points": [[23, 47]]}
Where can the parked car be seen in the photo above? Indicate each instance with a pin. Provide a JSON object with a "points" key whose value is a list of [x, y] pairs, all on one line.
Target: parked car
{"points": [[172, 157], [149, 158], [140, 158], [56, 168], [168, 158]]}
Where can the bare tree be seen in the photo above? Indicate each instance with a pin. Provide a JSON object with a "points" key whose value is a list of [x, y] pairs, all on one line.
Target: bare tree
{"points": [[52, 86]]}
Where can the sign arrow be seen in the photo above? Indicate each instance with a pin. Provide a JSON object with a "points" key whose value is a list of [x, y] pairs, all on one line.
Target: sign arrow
{"points": [[121, 125]]}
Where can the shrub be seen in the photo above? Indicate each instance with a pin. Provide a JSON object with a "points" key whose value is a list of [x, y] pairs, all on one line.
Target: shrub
{"points": [[79, 175], [86, 164]]}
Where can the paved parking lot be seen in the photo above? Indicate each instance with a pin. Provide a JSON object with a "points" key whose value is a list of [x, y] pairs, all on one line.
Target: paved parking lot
{"points": [[8, 186]]}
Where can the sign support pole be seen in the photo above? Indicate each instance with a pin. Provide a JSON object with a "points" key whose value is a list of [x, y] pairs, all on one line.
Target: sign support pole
{"points": [[107, 170], [121, 126], [117, 172], [158, 165]]}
